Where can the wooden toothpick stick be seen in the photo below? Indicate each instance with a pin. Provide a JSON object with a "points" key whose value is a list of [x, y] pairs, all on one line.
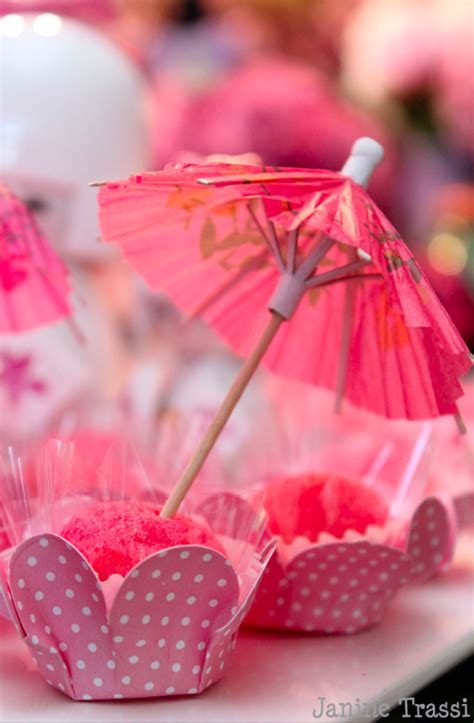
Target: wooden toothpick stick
{"points": [[228, 405], [365, 156]]}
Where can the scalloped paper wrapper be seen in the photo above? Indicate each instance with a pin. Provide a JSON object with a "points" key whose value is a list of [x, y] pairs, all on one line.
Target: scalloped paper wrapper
{"points": [[344, 586], [167, 629]]}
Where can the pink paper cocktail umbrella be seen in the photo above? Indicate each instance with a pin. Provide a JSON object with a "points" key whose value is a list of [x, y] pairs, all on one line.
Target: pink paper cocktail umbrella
{"points": [[34, 285], [246, 247]]}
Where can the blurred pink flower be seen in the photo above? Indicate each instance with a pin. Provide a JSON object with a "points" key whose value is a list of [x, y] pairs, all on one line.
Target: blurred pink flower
{"points": [[401, 48], [284, 111]]}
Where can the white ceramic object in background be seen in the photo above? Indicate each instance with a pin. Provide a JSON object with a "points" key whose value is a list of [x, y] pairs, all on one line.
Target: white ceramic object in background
{"points": [[73, 111]]}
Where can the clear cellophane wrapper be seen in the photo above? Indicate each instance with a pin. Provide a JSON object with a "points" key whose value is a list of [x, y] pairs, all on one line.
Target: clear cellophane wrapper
{"points": [[452, 471], [167, 627], [340, 578]]}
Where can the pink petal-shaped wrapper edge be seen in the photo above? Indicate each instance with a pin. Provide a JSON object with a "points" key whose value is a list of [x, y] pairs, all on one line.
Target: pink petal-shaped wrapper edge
{"points": [[86, 659], [333, 588], [464, 506], [325, 602], [432, 536]]}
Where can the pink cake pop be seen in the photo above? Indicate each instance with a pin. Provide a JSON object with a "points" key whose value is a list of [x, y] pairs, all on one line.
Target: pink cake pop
{"points": [[313, 503], [116, 536]]}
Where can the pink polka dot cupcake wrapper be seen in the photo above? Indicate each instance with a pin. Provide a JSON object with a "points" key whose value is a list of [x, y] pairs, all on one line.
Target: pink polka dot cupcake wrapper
{"points": [[170, 629], [344, 586], [464, 506], [4, 608]]}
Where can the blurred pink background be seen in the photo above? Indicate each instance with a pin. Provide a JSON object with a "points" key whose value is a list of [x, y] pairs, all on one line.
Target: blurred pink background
{"points": [[295, 82]]}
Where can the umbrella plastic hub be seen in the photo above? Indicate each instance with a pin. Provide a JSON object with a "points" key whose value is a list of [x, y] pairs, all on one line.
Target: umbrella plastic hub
{"points": [[287, 295]]}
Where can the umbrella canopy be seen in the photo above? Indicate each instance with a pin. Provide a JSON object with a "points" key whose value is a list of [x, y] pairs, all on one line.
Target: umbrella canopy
{"points": [[227, 241], [220, 238], [34, 285]]}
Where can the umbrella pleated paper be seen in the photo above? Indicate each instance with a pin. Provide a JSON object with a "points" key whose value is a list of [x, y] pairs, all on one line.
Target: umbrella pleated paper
{"points": [[34, 284], [248, 248]]}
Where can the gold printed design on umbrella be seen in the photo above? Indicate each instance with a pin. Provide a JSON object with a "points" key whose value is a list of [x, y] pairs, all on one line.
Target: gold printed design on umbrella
{"points": [[395, 262], [187, 199], [228, 246], [392, 331]]}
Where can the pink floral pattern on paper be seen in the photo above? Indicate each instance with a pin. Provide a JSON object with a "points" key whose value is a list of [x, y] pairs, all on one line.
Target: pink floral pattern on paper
{"points": [[16, 377]]}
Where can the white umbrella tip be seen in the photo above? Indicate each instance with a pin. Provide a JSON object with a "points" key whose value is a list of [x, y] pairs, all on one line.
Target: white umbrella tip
{"points": [[366, 154], [370, 149]]}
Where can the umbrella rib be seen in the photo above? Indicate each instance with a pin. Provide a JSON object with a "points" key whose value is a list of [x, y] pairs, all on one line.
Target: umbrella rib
{"points": [[276, 245], [271, 241], [292, 246], [310, 264], [460, 424], [322, 279], [344, 354], [352, 277]]}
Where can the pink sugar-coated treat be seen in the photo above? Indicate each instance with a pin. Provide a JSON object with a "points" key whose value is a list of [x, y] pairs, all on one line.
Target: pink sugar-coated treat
{"points": [[313, 503], [116, 536], [346, 586], [169, 629]]}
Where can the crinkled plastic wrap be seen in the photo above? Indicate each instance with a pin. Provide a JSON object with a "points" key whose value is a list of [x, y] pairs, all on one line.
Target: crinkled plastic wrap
{"points": [[349, 501], [452, 471], [167, 627]]}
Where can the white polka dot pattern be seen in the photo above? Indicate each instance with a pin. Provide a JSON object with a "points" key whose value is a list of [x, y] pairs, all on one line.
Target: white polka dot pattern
{"points": [[155, 641], [344, 587], [464, 507], [160, 630], [61, 620], [217, 656], [432, 537], [314, 594]]}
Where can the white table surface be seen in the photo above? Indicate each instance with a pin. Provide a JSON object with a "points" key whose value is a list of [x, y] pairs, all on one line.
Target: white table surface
{"points": [[279, 678]]}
